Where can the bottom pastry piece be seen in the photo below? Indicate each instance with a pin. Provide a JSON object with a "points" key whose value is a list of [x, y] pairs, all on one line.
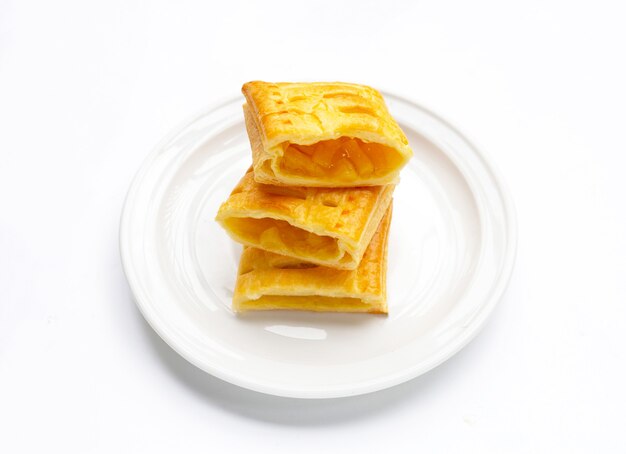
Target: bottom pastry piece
{"points": [[268, 281]]}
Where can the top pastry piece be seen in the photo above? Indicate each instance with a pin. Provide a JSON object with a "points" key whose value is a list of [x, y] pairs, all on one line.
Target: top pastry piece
{"points": [[322, 135]]}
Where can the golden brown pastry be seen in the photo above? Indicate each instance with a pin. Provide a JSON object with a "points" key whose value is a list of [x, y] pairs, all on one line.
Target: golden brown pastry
{"points": [[325, 226], [267, 281], [322, 134]]}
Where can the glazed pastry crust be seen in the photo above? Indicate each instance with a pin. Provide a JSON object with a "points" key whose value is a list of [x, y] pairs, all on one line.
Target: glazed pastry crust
{"points": [[268, 281], [279, 114], [345, 217]]}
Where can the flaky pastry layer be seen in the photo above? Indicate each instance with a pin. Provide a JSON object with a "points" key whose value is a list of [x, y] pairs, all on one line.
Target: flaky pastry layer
{"points": [[326, 226], [322, 134]]}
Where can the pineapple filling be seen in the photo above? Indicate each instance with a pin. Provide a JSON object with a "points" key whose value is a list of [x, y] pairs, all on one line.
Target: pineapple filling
{"points": [[302, 301], [281, 237], [344, 159]]}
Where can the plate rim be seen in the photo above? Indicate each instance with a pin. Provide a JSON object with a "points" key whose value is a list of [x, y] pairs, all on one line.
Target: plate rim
{"points": [[346, 390]]}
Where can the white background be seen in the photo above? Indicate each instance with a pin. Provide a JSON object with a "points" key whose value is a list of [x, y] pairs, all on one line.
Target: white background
{"points": [[87, 89]]}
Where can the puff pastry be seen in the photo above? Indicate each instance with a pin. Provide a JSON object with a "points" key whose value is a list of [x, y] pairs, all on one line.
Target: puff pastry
{"points": [[323, 135], [267, 281], [326, 226]]}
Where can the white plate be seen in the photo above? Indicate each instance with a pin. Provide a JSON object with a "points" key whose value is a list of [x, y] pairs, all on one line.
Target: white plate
{"points": [[451, 251]]}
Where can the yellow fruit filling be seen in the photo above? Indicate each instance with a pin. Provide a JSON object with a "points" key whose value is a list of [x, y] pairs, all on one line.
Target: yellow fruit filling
{"points": [[345, 159], [283, 238]]}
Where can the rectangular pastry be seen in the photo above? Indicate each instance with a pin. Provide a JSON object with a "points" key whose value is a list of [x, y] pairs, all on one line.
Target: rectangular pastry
{"points": [[323, 135], [326, 226], [268, 281]]}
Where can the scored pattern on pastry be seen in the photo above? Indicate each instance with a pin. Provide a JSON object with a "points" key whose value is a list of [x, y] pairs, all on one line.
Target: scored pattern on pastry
{"points": [[323, 135], [325, 226], [268, 281]]}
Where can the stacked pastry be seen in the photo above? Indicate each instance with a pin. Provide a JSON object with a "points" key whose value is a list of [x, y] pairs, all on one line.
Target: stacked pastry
{"points": [[313, 211]]}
